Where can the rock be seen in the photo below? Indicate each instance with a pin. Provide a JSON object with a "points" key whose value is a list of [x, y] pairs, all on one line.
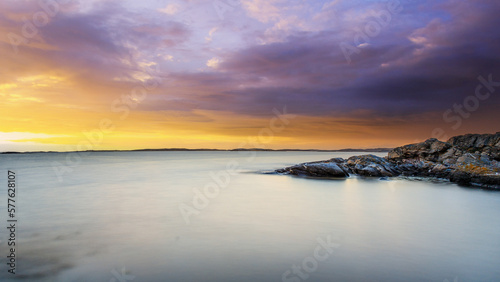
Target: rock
{"points": [[316, 169], [466, 158], [472, 160], [489, 181], [441, 171], [480, 143], [460, 177], [337, 160], [450, 156], [371, 165], [476, 141], [429, 150]]}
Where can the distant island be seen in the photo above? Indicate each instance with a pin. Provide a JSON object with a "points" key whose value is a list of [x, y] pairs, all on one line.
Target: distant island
{"points": [[470, 160], [216, 150]]}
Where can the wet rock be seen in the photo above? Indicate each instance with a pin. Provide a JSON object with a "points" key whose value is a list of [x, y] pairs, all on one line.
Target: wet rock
{"points": [[441, 171], [472, 160], [490, 181], [371, 165], [316, 169]]}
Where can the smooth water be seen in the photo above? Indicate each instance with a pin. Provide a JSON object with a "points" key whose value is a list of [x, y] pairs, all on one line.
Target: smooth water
{"points": [[116, 216]]}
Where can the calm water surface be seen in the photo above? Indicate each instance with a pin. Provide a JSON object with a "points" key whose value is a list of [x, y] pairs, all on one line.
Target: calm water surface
{"points": [[117, 215]]}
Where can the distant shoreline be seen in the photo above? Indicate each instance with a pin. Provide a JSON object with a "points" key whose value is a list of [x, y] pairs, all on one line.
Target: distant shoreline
{"points": [[382, 150]]}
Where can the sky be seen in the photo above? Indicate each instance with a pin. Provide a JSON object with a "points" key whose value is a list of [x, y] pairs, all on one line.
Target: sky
{"points": [[110, 74]]}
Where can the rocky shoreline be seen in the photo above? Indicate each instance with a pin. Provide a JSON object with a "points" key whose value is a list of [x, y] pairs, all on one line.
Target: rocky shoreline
{"points": [[469, 160]]}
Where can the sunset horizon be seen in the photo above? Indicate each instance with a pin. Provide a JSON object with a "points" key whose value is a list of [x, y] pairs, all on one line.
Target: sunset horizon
{"points": [[100, 75], [250, 140]]}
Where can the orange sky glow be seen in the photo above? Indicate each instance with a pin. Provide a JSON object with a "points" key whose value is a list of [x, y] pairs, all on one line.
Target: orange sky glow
{"points": [[99, 75]]}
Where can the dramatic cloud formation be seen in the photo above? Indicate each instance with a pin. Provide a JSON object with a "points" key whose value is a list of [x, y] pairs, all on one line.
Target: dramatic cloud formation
{"points": [[210, 74]]}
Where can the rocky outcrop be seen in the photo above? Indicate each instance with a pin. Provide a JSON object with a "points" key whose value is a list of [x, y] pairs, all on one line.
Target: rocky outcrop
{"points": [[472, 160], [317, 169], [366, 165], [485, 145], [370, 165], [429, 150], [475, 141]]}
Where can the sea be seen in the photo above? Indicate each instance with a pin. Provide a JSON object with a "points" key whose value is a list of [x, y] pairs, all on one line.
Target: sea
{"points": [[221, 216]]}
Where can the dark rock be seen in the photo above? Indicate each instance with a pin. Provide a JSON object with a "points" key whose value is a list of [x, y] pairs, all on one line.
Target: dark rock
{"points": [[316, 169], [450, 156], [480, 143], [441, 171], [476, 141], [429, 150], [486, 181], [472, 160], [371, 165], [461, 177], [337, 160]]}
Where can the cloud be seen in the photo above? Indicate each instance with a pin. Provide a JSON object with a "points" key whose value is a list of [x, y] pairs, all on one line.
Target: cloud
{"points": [[213, 63], [262, 10], [94, 47], [170, 9], [231, 73], [211, 34], [167, 57], [388, 77]]}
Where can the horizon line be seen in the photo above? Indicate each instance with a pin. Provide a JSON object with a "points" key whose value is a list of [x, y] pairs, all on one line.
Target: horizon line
{"points": [[208, 149]]}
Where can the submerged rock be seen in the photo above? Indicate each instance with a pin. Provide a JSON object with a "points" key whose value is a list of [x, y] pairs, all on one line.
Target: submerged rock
{"points": [[472, 160]]}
